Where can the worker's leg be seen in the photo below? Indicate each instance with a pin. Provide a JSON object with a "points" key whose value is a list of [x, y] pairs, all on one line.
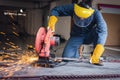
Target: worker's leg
{"points": [[71, 49]]}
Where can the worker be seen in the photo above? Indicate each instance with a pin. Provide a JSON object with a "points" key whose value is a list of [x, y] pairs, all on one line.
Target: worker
{"points": [[89, 27]]}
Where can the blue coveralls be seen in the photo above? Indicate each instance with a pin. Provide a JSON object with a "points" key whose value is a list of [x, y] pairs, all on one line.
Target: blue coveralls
{"points": [[92, 30]]}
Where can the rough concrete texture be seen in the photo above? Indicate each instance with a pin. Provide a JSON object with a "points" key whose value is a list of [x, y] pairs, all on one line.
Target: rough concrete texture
{"points": [[71, 68]]}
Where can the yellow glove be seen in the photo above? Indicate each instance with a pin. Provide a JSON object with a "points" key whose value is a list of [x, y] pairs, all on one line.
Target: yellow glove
{"points": [[98, 51], [51, 23]]}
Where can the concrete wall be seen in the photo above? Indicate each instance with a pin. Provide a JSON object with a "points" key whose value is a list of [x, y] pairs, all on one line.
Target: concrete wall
{"points": [[33, 21], [113, 2], [113, 28], [60, 2], [63, 26]]}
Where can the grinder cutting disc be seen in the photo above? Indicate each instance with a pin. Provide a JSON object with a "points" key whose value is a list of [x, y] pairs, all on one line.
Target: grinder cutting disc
{"points": [[40, 37]]}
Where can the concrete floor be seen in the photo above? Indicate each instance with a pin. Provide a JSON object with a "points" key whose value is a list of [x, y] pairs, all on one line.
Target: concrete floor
{"points": [[70, 68]]}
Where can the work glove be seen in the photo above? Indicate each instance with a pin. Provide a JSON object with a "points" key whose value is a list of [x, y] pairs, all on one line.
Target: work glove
{"points": [[51, 23], [98, 51]]}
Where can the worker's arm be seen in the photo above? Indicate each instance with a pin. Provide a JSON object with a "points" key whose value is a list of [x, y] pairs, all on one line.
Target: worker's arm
{"points": [[101, 28], [101, 31], [64, 10]]}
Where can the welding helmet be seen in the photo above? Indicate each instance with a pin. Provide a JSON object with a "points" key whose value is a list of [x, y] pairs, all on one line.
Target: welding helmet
{"points": [[83, 10]]}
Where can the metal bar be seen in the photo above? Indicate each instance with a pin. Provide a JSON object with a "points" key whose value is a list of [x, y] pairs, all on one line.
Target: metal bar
{"points": [[113, 49], [65, 58], [63, 77]]}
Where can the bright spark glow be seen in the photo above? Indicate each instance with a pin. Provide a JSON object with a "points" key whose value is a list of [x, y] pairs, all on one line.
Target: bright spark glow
{"points": [[21, 10], [11, 63]]}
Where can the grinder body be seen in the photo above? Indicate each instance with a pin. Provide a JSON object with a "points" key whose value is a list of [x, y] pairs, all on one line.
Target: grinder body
{"points": [[44, 40]]}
